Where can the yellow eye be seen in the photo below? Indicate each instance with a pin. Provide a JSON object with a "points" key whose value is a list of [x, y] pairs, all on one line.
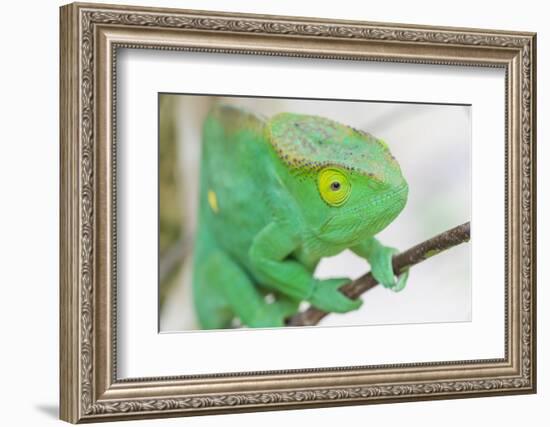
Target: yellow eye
{"points": [[334, 186]]}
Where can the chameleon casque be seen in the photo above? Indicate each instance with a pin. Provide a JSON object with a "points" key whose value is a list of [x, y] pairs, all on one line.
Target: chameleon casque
{"points": [[277, 195]]}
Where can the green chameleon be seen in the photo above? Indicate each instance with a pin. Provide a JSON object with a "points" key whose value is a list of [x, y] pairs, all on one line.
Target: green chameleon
{"points": [[276, 196]]}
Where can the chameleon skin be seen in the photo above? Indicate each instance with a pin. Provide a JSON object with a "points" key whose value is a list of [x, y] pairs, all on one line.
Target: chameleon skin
{"points": [[277, 195]]}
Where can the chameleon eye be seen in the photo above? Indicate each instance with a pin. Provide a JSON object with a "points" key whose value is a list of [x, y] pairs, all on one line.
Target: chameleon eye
{"points": [[334, 186]]}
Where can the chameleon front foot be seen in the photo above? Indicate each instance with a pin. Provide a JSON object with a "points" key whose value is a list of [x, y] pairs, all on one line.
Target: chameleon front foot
{"points": [[382, 269]]}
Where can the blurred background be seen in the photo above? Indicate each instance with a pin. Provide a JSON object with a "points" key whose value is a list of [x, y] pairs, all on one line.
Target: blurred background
{"points": [[432, 143]]}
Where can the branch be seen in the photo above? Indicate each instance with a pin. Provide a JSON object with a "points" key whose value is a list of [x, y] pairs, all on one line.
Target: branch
{"points": [[401, 262]]}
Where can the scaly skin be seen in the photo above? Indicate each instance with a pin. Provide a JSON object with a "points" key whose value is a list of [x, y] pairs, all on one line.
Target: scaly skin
{"points": [[275, 197]]}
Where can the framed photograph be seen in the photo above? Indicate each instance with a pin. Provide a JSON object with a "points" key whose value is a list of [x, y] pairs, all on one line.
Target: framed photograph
{"points": [[267, 212]]}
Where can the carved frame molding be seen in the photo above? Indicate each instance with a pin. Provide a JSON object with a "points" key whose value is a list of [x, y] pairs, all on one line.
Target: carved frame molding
{"points": [[90, 37]]}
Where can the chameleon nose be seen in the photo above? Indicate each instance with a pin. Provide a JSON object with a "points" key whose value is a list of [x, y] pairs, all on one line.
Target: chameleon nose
{"points": [[402, 193], [403, 190]]}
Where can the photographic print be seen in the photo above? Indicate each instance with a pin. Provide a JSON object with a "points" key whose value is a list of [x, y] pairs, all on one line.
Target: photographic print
{"points": [[270, 207]]}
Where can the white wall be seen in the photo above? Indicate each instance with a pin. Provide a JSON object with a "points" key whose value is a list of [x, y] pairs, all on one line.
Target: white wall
{"points": [[29, 214]]}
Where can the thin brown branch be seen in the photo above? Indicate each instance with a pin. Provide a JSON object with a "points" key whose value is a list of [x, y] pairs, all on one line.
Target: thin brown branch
{"points": [[401, 262]]}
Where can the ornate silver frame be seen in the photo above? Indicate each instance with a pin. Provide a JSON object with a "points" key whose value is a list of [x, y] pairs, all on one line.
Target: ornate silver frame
{"points": [[90, 36]]}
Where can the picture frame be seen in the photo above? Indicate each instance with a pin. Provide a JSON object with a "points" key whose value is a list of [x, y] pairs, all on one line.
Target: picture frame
{"points": [[92, 35]]}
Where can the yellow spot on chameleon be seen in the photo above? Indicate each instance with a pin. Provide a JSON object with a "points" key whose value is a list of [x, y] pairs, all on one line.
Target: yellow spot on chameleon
{"points": [[383, 144], [213, 201]]}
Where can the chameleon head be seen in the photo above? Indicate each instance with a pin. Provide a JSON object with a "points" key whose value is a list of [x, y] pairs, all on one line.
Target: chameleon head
{"points": [[346, 182]]}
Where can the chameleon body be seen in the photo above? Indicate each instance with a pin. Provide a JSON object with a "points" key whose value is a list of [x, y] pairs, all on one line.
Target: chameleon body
{"points": [[277, 195]]}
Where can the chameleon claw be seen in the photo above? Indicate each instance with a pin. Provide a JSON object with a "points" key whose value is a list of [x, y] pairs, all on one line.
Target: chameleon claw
{"points": [[401, 281]]}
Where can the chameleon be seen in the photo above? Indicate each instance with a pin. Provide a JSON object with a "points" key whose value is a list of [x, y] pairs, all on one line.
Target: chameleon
{"points": [[277, 195]]}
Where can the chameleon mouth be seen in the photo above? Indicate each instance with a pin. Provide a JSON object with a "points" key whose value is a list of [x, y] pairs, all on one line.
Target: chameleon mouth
{"points": [[392, 195], [374, 215], [389, 200]]}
